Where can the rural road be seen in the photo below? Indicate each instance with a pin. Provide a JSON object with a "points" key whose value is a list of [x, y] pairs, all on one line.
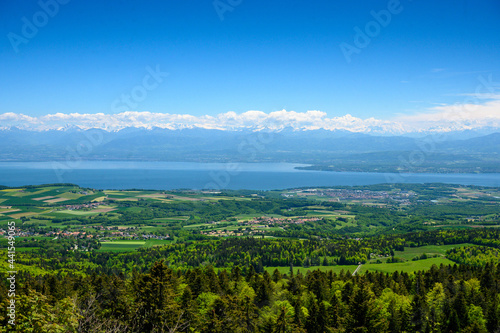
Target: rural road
{"points": [[357, 269]]}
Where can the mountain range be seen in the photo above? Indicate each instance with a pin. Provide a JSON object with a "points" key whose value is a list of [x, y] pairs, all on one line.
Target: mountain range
{"points": [[322, 148]]}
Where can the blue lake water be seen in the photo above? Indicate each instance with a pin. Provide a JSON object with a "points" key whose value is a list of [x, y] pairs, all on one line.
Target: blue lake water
{"points": [[190, 175]]}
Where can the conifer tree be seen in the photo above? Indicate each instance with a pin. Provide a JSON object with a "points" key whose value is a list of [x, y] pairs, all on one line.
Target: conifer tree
{"points": [[362, 315]]}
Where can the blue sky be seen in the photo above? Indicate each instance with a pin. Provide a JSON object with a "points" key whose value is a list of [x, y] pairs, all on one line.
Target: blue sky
{"points": [[263, 55]]}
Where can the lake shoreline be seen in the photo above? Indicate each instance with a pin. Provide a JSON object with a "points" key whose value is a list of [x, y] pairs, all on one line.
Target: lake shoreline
{"points": [[231, 176]]}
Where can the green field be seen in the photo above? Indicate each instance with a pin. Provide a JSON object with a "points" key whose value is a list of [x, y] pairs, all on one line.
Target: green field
{"points": [[69, 195], [84, 212], [4, 240], [67, 212], [210, 212], [408, 267], [131, 245], [410, 252], [157, 242], [121, 246], [336, 269]]}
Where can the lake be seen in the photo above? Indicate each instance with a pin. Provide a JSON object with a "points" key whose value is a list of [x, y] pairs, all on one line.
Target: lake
{"points": [[191, 175]]}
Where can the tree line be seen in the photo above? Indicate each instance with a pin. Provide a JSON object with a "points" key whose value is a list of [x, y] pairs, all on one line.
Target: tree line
{"points": [[443, 299]]}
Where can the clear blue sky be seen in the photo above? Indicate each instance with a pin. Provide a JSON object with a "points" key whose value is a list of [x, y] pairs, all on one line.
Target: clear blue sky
{"points": [[264, 55]]}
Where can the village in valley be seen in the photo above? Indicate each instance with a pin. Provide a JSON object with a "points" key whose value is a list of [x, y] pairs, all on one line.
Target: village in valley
{"points": [[108, 219]]}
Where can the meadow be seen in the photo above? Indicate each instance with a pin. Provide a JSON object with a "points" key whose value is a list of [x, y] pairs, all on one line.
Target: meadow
{"points": [[67, 217]]}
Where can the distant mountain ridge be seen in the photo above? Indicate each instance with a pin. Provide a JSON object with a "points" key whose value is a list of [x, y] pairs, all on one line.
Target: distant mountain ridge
{"points": [[417, 125], [222, 145]]}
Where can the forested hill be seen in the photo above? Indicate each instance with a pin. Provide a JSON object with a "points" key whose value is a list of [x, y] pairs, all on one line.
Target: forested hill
{"points": [[443, 299], [105, 292], [378, 258]]}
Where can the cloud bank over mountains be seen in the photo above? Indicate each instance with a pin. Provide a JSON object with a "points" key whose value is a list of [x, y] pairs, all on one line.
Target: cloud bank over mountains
{"points": [[443, 118]]}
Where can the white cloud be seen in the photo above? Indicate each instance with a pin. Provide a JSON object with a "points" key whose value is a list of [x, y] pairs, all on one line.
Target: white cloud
{"points": [[467, 115], [14, 117], [473, 113]]}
